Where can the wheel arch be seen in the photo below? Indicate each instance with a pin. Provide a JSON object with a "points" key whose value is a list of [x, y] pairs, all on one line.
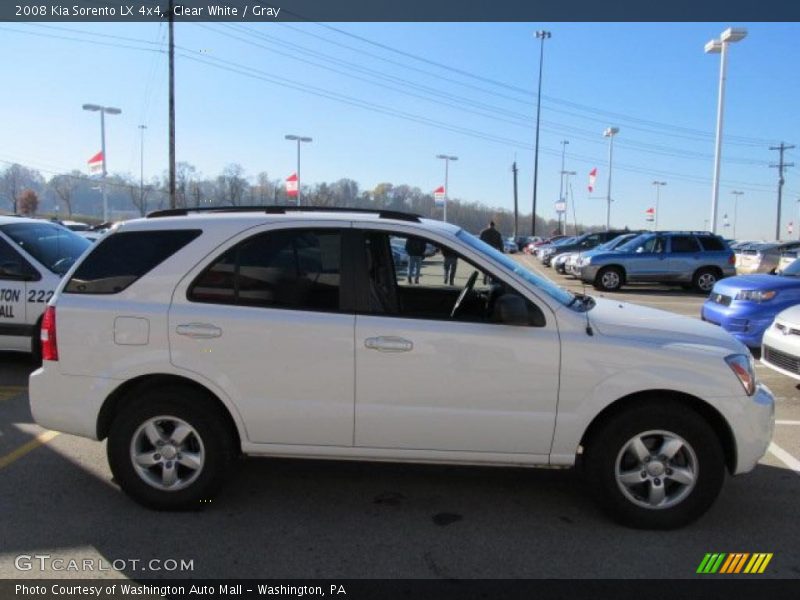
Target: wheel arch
{"points": [[714, 268], [711, 415], [126, 394]]}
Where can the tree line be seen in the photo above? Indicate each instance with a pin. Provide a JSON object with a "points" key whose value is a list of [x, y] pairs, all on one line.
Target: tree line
{"points": [[74, 195]]}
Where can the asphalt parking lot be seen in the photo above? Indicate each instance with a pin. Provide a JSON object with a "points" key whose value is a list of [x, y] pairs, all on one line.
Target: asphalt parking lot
{"points": [[298, 519]]}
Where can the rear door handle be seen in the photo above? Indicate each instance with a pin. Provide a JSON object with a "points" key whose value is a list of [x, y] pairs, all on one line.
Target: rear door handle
{"points": [[199, 331], [389, 344]]}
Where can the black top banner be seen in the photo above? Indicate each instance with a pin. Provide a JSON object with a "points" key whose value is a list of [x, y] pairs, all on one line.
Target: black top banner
{"points": [[400, 10]]}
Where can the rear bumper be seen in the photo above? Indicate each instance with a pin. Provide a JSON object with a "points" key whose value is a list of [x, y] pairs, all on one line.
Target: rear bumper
{"points": [[68, 403]]}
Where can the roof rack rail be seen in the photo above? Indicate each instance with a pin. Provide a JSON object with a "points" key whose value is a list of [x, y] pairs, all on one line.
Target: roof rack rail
{"points": [[278, 210]]}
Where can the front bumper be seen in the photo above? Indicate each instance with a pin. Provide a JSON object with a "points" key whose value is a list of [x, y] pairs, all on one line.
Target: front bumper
{"points": [[740, 320], [781, 352], [753, 425]]}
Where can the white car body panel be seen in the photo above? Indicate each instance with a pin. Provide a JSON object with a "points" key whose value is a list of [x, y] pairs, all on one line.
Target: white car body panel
{"points": [[784, 336], [299, 383]]}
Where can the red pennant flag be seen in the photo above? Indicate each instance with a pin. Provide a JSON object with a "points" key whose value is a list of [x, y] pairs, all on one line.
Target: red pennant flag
{"points": [[592, 179], [96, 164], [291, 185]]}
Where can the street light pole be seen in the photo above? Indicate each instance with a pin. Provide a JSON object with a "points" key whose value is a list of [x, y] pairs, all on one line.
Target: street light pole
{"points": [[565, 175], [540, 35], [103, 110], [299, 139], [736, 195], [720, 46], [610, 132], [447, 158], [658, 185]]}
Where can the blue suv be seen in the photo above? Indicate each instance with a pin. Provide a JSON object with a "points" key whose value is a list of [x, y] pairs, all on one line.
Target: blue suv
{"points": [[692, 259]]}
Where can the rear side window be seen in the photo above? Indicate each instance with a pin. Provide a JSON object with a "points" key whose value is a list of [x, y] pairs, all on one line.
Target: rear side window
{"points": [[684, 243], [294, 269], [711, 243], [122, 258]]}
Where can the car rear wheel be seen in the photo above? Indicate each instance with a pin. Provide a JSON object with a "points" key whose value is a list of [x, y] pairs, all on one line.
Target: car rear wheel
{"points": [[170, 450], [609, 279], [655, 466], [704, 280]]}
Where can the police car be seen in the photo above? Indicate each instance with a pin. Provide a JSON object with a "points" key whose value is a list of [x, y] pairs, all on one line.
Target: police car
{"points": [[34, 255]]}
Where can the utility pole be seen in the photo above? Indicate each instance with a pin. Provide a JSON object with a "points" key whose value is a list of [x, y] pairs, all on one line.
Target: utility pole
{"points": [[736, 195], [781, 166], [561, 185], [172, 203], [516, 206], [541, 35]]}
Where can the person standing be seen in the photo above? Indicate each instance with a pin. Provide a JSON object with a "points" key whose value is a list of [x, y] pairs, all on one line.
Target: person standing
{"points": [[491, 236], [450, 264], [415, 248]]}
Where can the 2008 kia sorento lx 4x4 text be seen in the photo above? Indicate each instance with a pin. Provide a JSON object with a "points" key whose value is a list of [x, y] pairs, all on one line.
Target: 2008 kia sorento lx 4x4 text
{"points": [[190, 337]]}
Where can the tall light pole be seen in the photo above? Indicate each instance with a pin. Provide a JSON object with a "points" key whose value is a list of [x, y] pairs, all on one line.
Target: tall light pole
{"points": [[446, 158], [659, 185], [103, 110], [565, 175], [736, 195], [720, 46], [540, 35], [299, 139], [798, 218], [561, 185], [141, 165], [610, 132]]}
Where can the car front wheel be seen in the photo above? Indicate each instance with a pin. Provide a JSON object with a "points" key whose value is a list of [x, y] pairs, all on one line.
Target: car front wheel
{"points": [[170, 450], [609, 279], [655, 466]]}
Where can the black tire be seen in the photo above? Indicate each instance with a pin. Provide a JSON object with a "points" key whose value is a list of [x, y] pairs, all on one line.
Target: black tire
{"points": [[704, 279], [631, 507], [609, 279], [211, 438]]}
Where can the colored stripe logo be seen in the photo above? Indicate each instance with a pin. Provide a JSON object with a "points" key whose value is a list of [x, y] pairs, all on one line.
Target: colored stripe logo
{"points": [[734, 563]]}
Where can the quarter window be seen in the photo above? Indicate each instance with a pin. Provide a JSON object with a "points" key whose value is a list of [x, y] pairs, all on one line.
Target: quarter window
{"points": [[293, 269]]}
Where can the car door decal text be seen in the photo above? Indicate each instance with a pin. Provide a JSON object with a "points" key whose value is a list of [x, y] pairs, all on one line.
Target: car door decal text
{"points": [[6, 298]]}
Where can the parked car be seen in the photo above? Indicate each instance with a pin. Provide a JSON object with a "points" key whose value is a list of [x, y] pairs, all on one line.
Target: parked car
{"points": [[781, 344], [746, 305], [524, 241], [533, 247], [762, 257], [190, 337], [786, 259], [573, 264], [509, 245], [692, 259], [559, 263], [546, 248], [34, 254], [587, 241]]}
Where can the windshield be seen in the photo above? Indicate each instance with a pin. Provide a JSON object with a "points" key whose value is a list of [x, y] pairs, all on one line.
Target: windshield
{"points": [[556, 293], [55, 247], [633, 244], [793, 270], [617, 242], [564, 241]]}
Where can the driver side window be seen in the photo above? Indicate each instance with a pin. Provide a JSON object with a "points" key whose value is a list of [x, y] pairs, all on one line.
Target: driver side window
{"points": [[412, 277]]}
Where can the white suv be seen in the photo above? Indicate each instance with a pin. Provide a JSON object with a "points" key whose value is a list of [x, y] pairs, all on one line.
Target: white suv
{"points": [[189, 337], [34, 255]]}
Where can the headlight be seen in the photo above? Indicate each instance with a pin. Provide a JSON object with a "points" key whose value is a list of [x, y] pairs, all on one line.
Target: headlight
{"points": [[756, 295], [744, 368]]}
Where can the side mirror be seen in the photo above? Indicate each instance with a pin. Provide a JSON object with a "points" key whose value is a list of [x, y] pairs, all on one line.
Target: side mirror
{"points": [[640, 249], [512, 310]]}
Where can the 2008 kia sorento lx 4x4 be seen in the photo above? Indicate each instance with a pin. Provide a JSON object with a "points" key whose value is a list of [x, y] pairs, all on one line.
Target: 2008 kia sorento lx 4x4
{"points": [[189, 337]]}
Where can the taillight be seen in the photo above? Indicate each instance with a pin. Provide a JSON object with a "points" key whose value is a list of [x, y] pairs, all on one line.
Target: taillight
{"points": [[732, 259], [48, 335]]}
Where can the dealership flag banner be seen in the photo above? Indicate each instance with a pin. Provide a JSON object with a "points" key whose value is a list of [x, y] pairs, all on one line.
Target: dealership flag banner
{"points": [[291, 185], [650, 214], [96, 164], [438, 196], [592, 179]]}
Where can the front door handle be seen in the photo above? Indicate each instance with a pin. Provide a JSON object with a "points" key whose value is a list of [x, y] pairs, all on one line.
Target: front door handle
{"points": [[389, 344], [199, 331]]}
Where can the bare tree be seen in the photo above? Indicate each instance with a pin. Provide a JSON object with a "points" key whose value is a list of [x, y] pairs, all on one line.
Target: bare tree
{"points": [[15, 179], [64, 186], [232, 185]]}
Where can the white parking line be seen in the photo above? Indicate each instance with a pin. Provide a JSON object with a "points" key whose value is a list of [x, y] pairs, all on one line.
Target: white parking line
{"points": [[786, 458], [787, 422]]}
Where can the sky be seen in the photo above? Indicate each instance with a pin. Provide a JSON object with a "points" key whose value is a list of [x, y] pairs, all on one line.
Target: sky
{"points": [[381, 100]]}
